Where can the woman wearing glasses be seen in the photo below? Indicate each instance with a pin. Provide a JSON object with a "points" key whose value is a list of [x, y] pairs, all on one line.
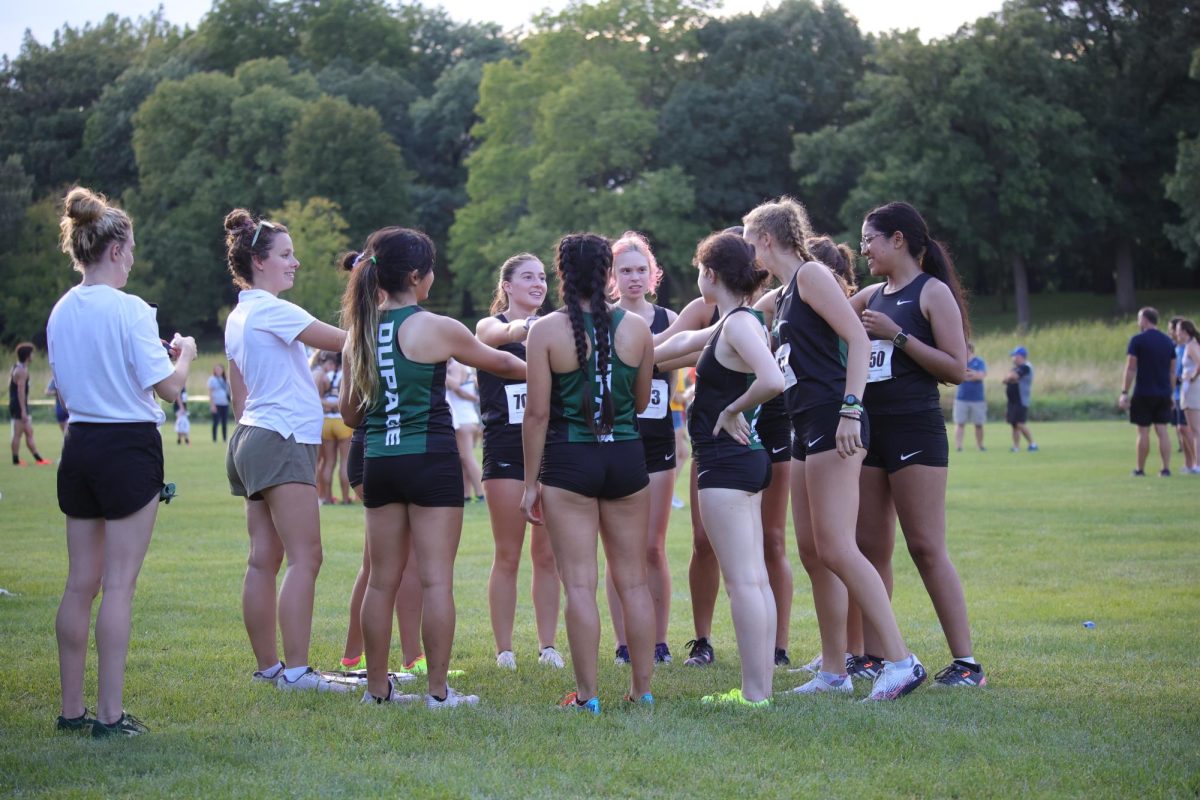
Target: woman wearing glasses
{"points": [[272, 455], [916, 320]]}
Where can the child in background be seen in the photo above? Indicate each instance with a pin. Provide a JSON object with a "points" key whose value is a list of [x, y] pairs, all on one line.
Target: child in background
{"points": [[183, 427]]}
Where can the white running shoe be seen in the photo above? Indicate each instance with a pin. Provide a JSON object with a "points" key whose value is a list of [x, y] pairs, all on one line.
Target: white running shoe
{"points": [[551, 657], [895, 681], [310, 681], [260, 676], [453, 700], [393, 697], [506, 660], [813, 666], [819, 685]]}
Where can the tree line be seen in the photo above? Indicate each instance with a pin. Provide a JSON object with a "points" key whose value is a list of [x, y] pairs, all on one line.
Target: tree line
{"points": [[1054, 145]]}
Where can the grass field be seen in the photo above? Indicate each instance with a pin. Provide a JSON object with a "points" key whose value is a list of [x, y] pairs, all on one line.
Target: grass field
{"points": [[1043, 542]]}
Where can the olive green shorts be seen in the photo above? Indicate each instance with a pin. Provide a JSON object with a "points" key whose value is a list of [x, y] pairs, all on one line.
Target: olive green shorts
{"points": [[258, 459]]}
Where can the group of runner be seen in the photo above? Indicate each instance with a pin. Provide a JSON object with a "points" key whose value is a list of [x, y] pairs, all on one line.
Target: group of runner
{"points": [[810, 384]]}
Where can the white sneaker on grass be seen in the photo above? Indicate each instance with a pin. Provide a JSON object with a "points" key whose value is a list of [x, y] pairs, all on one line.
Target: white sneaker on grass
{"points": [[393, 697], [818, 685], [506, 660], [896, 679], [551, 657], [310, 681], [453, 700]]}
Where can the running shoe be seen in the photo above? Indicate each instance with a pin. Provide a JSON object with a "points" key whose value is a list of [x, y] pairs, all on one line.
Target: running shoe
{"points": [[960, 673], [127, 725], [1033, 448], [453, 699], [819, 685], [551, 657], [622, 656], [1014, 449], [895, 681], [506, 660], [571, 703], [353, 664], [80, 723], [20, 464], [865, 667], [392, 697], [310, 681], [44, 462], [814, 666], [734, 697], [262, 677], [781, 658], [645, 700], [662, 653], [700, 653], [1138, 473], [417, 666], [1164, 473]]}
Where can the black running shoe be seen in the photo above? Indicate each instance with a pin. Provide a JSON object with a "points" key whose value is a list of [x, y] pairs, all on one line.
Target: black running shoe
{"points": [[80, 723], [781, 658], [865, 667], [622, 655], [960, 673], [127, 725], [700, 653], [662, 653]]}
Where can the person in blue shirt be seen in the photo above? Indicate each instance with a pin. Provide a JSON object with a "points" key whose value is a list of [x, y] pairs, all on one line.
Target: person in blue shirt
{"points": [[969, 405], [1019, 391], [1187, 444], [1150, 369]]}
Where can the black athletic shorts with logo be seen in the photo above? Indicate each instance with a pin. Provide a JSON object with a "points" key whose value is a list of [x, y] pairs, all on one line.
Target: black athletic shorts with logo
{"points": [[1148, 410], [660, 453], [605, 470], [503, 463], [109, 470], [901, 440], [433, 480], [816, 430], [356, 456], [775, 432], [724, 467]]}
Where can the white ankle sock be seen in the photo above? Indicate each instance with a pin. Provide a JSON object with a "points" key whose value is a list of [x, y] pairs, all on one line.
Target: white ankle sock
{"points": [[832, 678], [273, 670], [967, 660], [906, 663], [293, 673]]}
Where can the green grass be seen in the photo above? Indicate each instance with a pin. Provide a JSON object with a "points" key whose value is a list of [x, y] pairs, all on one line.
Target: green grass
{"points": [[1043, 542]]}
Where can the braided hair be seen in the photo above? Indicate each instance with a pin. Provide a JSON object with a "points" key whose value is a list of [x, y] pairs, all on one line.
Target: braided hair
{"points": [[583, 262]]}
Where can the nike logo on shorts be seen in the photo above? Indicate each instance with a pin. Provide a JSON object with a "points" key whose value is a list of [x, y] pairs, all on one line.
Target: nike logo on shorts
{"points": [[502, 465], [907, 456], [814, 441], [668, 456], [702, 474], [902, 302], [778, 449]]}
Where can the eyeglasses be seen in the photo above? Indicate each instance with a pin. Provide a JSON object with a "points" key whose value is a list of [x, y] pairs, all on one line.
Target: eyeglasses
{"points": [[262, 223], [865, 242]]}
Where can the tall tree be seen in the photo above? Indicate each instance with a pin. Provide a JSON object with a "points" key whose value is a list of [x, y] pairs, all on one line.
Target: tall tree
{"points": [[318, 232]]}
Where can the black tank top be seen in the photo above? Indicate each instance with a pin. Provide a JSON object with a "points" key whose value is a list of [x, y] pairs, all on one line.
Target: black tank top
{"points": [[910, 389], [502, 405], [774, 411], [14, 400], [658, 427], [812, 356], [716, 387]]}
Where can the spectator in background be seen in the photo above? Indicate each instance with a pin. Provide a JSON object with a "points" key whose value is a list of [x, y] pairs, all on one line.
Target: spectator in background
{"points": [[1150, 369], [183, 425], [218, 400], [1189, 395], [18, 406], [969, 406], [1019, 391], [1186, 436]]}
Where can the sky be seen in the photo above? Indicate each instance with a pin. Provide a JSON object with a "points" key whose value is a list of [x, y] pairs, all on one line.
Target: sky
{"points": [[934, 18]]}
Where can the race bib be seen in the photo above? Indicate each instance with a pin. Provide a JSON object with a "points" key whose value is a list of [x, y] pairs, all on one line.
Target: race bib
{"points": [[880, 366], [783, 358], [659, 399], [517, 393]]}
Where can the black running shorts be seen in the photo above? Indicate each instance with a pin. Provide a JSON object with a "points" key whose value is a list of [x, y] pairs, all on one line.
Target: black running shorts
{"points": [[816, 430], [433, 480], [109, 470], [902, 440], [605, 470]]}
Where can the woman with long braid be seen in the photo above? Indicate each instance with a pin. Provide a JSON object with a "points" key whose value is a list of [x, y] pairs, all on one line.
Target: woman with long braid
{"points": [[589, 376]]}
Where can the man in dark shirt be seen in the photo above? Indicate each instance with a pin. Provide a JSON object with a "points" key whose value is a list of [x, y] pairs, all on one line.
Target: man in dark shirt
{"points": [[1151, 358]]}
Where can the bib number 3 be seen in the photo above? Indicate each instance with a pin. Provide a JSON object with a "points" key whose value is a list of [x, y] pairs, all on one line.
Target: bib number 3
{"points": [[657, 407]]}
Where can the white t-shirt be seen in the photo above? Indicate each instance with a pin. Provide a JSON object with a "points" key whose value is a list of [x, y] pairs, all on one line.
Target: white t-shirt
{"points": [[260, 337], [106, 356]]}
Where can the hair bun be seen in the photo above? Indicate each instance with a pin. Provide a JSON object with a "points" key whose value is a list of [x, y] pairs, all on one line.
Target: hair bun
{"points": [[84, 206], [350, 261], [238, 218]]}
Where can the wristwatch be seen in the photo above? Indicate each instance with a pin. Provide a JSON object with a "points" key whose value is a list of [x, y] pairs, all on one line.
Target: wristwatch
{"points": [[900, 339], [532, 318], [851, 400]]}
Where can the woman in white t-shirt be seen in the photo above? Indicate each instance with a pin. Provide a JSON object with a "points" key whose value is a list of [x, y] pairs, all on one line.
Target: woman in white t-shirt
{"points": [[272, 455], [108, 362]]}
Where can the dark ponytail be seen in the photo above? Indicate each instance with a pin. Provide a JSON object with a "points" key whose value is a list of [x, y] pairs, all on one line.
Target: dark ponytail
{"points": [[733, 260], [838, 257], [387, 261], [931, 255], [583, 262]]}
